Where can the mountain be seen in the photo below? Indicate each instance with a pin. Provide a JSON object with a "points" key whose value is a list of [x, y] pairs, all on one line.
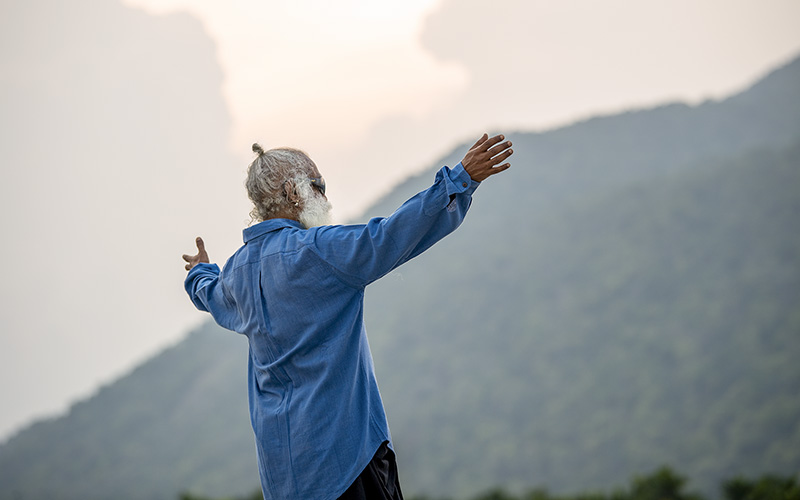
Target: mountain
{"points": [[166, 426], [625, 296], [656, 324]]}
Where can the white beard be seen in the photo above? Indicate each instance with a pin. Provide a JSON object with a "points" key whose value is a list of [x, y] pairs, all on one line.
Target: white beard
{"points": [[316, 210]]}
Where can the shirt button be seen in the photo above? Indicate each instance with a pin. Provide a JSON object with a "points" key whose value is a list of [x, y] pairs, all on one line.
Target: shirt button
{"points": [[463, 184]]}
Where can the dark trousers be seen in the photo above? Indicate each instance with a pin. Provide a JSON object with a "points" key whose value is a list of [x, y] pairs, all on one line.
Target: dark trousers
{"points": [[378, 481]]}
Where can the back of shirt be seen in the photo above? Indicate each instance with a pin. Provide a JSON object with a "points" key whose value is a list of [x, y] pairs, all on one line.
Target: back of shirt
{"points": [[298, 295]]}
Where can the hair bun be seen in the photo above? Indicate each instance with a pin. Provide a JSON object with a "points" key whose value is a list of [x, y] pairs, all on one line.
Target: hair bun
{"points": [[258, 149]]}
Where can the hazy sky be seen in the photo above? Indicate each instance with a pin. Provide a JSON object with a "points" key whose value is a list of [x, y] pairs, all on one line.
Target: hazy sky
{"points": [[374, 91], [353, 81]]}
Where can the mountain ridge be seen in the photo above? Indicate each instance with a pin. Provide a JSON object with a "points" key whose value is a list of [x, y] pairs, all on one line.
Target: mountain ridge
{"points": [[774, 125]]}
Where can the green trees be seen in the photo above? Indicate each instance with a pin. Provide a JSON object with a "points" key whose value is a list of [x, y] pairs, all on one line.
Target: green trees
{"points": [[768, 487], [662, 484], [255, 495]]}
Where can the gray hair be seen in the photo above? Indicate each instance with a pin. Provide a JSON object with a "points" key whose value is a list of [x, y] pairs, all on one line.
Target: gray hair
{"points": [[267, 175]]}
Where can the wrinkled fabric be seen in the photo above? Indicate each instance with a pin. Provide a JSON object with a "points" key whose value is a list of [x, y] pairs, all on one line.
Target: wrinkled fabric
{"points": [[298, 296]]}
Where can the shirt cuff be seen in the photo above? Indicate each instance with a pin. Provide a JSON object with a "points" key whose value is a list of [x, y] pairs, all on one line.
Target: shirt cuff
{"points": [[200, 269], [459, 181], [203, 267]]}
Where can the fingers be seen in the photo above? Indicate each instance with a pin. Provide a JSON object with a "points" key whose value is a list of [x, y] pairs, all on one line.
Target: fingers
{"points": [[502, 156], [494, 140], [497, 170], [193, 260], [494, 150], [487, 157], [479, 141], [499, 152]]}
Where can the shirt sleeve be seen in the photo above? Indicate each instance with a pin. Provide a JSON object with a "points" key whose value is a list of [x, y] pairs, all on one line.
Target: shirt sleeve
{"points": [[207, 292], [362, 253]]}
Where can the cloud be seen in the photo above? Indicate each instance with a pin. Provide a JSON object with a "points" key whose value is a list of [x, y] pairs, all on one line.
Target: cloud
{"points": [[539, 64], [113, 133], [538, 61]]}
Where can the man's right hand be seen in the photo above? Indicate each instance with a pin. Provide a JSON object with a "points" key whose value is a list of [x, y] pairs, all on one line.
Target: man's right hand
{"points": [[484, 158], [201, 256]]}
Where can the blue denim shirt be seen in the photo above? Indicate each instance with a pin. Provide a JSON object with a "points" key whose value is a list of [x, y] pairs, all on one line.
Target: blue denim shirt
{"points": [[298, 296]]}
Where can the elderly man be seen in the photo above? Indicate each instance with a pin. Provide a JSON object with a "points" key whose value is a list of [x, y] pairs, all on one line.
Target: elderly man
{"points": [[296, 290]]}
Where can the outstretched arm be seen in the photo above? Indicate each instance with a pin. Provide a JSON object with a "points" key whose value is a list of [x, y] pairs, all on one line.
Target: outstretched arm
{"points": [[363, 253], [201, 256], [205, 287]]}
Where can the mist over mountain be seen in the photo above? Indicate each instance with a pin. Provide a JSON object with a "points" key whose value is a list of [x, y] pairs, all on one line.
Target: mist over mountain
{"points": [[625, 296]]}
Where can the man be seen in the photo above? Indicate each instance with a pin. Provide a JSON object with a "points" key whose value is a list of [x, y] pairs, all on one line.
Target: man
{"points": [[296, 290]]}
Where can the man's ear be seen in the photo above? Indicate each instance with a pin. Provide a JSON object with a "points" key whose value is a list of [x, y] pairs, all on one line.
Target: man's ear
{"points": [[290, 192]]}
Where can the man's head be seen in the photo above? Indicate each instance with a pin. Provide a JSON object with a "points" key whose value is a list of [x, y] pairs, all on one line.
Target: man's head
{"points": [[285, 183]]}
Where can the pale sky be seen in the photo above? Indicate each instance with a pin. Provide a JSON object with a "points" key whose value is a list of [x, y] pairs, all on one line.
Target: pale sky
{"points": [[318, 75], [374, 91], [341, 79]]}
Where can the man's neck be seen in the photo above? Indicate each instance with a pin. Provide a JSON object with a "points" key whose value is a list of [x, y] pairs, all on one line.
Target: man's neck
{"points": [[291, 213]]}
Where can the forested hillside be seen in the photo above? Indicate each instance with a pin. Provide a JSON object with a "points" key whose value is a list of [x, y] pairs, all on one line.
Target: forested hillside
{"points": [[178, 421], [626, 296], [656, 324]]}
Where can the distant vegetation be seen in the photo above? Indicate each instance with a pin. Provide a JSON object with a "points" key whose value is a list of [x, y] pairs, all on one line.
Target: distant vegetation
{"points": [[663, 484], [611, 312]]}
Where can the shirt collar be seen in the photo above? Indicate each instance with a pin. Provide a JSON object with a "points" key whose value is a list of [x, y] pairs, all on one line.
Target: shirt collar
{"points": [[267, 226]]}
